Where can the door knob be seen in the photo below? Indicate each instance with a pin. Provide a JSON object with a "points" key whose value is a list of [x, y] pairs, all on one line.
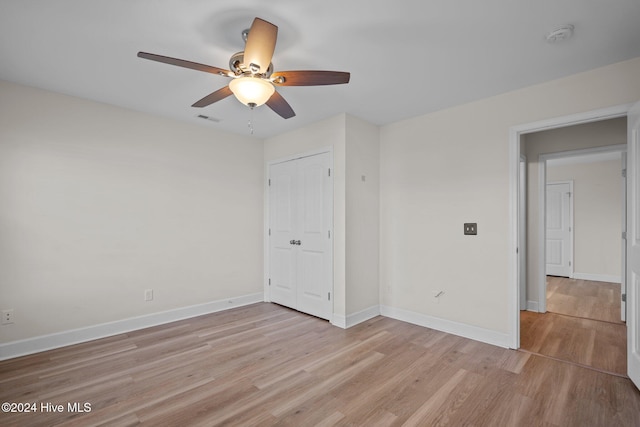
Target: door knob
{"points": [[297, 242], [292, 242]]}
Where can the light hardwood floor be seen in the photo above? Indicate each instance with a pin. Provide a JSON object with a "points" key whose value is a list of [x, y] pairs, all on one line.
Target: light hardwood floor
{"points": [[582, 325], [594, 343], [584, 298], [264, 365]]}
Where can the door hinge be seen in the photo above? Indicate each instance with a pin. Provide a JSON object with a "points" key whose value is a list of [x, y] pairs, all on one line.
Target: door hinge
{"points": [[569, 263], [269, 182], [624, 173], [624, 297], [269, 232], [329, 233], [624, 235], [329, 296], [329, 171], [269, 281]]}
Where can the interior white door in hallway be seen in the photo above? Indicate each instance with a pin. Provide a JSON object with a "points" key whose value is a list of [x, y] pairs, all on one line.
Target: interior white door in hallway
{"points": [[300, 240], [633, 245], [559, 231]]}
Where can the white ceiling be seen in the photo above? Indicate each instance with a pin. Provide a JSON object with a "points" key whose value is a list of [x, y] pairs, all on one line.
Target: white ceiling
{"points": [[406, 57]]}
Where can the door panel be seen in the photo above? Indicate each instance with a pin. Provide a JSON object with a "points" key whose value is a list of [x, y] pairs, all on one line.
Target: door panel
{"points": [[633, 245], [558, 234], [313, 177], [282, 214], [315, 252]]}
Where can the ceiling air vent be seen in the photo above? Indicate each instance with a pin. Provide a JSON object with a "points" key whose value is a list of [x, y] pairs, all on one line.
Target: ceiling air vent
{"points": [[211, 119]]}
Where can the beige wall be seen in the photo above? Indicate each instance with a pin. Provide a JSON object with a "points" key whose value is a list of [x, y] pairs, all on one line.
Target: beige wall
{"points": [[99, 203], [589, 135], [440, 170], [363, 208], [597, 199]]}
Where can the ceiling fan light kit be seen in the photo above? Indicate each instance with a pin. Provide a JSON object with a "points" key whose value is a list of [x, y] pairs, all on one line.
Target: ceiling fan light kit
{"points": [[251, 72], [251, 91]]}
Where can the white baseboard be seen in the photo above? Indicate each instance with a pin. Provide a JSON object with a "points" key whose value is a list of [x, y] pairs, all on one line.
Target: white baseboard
{"points": [[339, 321], [597, 277], [75, 336], [532, 306], [463, 330], [355, 318]]}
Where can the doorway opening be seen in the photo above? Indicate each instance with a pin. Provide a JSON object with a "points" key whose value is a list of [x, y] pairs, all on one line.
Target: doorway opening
{"points": [[574, 252], [516, 149]]}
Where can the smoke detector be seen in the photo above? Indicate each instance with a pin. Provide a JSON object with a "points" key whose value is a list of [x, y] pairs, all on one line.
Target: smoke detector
{"points": [[560, 34]]}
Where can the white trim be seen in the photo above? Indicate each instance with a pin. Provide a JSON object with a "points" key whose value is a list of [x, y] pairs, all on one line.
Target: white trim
{"points": [[296, 156], [339, 320], [598, 277], [532, 306], [522, 230], [75, 336], [359, 317], [586, 158], [448, 326], [514, 159]]}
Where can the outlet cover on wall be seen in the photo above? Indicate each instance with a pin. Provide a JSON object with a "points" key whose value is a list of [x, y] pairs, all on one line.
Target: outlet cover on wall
{"points": [[471, 228], [7, 316], [148, 295]]}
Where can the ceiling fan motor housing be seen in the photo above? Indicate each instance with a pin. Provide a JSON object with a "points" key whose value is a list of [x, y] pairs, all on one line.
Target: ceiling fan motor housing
{"points": [[238, 67]]}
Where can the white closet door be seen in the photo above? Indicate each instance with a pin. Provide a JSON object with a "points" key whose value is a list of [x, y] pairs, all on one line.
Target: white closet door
{"points": [[301, 221], [314, 253], [283, 210]]}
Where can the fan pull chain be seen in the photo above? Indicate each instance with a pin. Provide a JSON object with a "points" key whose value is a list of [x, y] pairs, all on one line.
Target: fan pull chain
{"points": [[250, 123]]}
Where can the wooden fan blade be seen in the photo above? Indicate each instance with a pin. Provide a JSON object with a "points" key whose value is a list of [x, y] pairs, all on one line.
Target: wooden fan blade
{"points": [[278, 104], [310, 78], [213, 97], [261, 43], [183, 63]]}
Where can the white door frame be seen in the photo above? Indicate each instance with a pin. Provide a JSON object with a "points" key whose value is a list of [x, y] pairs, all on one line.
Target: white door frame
{"points": [[266, 246], [522, 230], [515, 133], [623, 275]]}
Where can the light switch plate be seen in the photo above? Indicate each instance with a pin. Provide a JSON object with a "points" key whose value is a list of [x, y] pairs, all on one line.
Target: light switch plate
{"points": [[470, 228]]}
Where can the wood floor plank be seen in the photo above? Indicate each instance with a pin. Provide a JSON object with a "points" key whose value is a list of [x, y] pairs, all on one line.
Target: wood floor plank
{"points": [[584, 298], [601, 345], [265, 365]]}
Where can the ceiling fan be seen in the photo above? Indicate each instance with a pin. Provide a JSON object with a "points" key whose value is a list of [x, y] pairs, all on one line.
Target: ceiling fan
{"points": [[252, 73]]}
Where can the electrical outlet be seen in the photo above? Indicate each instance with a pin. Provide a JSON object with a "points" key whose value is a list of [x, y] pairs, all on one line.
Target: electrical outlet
{"points": [[7, 316], [148, 295]]}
